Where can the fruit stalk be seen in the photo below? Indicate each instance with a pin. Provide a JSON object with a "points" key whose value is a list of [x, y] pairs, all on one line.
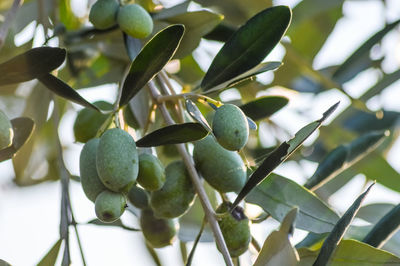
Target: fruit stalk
{"points": [[187, 159]]}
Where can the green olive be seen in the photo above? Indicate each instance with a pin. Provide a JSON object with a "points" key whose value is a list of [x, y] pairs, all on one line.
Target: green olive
{"points": [[88, 121], [176, 196], [91, 183], [135, 21], [6, 131], [103, 14], [151, 172], [230, 127], [224, 170], [109, 206], [158, 232], [138, 197], [235, 228], [117, 160]]}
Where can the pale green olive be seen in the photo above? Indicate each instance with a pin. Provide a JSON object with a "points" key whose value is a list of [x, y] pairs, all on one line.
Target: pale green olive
{"points": [[151, 172], [135, 21], [109, 206], [103, 14]]}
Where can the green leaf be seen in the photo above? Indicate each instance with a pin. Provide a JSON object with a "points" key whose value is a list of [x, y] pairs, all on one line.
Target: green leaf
{"points": [[264, 107], [278, 195], [384, 229], [351, 252], [249, 45], [334, 237], [32, 64], [117, 223], [132, 46], [372, 213], [280, 154], [385, 81], [151, 59], [277, 249], [51, 257], [195, 113], [62, 89], [23, 128], [173, 134], [67, 17]]}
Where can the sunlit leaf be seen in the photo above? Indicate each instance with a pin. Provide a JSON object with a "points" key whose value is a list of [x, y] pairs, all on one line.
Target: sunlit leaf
{"points": [[151, 59], [67, 16], [32, 64], [278, 195], [51, 257], [264, 107], [249, 45], [174, 134]]}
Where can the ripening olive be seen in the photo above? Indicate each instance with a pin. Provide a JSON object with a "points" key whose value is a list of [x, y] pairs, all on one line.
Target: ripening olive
{"points": [[109, 206], [224, 170], [88, 121], [135, 21], [158, 232], [6, 131], [138, 197], [235, 228], [230, 127], [103, 14], [91, 183], [151, 172], [176, 195], [117, 160]]}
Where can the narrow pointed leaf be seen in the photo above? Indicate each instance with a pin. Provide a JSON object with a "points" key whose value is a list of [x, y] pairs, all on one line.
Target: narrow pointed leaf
{"points": [[277, 249], [383, 83], [333, 239], [372, 213], [277, 195], [62, 89], [195, 113], [264, 107], [23, 128], [384, 229], [117, 223], [151, 59], [132, 46], [248, 46], [280, 154], [51, 257], [351, 252], [174, 134], [32, 64]]}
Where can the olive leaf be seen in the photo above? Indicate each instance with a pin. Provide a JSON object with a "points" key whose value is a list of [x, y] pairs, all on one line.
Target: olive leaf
{"points": [[51, 257], [280, 154], [151, 59], [195, 113], [32, 64], [173, 134], [264, 107]]}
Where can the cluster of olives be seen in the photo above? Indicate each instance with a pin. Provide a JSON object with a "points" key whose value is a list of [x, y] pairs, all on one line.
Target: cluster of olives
{"points": [[6, 131], [133, 19]]}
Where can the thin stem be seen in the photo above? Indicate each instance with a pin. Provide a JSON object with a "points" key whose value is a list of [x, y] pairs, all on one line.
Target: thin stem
{"points": [[255, 244], [165, 80], [187, 159], [74, 224], [8, 20]]}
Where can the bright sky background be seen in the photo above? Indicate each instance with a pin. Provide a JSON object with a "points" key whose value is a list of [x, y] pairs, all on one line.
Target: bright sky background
{"points": [[29, 217]]}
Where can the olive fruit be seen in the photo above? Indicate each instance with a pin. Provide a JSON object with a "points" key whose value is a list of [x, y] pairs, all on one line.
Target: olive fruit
{"points": [[88, 121], [109, 206], [91, 184], [235, 229], [117, 160], [138, 197], [176, 195], [135, 21], [151, 172], [6, 131], [103, 14], [230, 127], [224, 170], [158, 232]]}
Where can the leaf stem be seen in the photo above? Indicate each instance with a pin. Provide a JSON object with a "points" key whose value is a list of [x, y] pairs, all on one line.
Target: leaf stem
{"points": [[187, 159], [8, 20]]}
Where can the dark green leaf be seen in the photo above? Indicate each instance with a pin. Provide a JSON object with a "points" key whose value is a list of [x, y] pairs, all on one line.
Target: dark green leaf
{"points": [[372, 213], [30, 65], [249, 45], [363, 122], [264, 107], [277, 249], [280, 154], [195, 113], [385, 81], [117, 223], [334, 237], [174, 134], [132, 46], [23, 128], [278, 195], [151, 59], [51, 257], [62, 89]]}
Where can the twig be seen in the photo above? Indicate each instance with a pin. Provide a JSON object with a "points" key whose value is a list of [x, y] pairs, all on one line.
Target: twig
{"points": [[74, 224], [7, 22], [187, 159]]}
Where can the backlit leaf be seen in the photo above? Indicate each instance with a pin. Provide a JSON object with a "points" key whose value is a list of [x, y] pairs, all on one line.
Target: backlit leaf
{"points": [[51, 257], [264, 107]]}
